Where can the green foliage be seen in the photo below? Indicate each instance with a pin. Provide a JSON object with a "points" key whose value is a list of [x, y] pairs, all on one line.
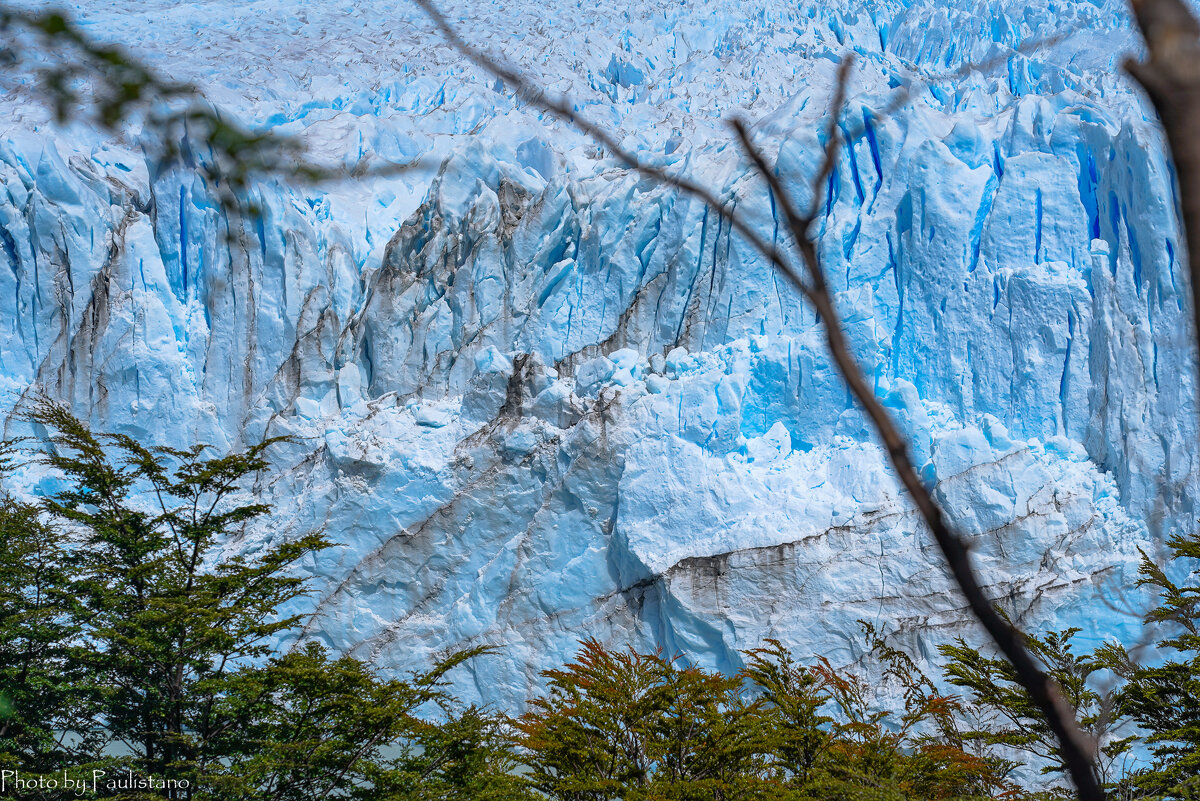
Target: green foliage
{"points": [[1164, 700], [134, 626], [942, 760], [876, 753], [40, 696], [306, 727], [1108, 690], [638, 726], [164, 621], [794, 700], [1008, 717], [136, 630]]}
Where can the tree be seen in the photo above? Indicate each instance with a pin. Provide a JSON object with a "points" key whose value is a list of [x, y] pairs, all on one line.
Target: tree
{"points": [[794, 701], [164, 621], [1164, 700], [306, 727], [945, 759], [622, 724], [1108, 690], [628, 725], [135, 628], [828, 739], [1008, 718], [41, 698]]}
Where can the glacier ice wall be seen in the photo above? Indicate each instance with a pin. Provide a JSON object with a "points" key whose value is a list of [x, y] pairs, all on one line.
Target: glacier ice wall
{"points": [[536, 398]]}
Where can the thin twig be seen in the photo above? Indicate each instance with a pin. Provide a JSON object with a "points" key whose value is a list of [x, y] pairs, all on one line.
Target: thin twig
{"points": [[1076, 751], [564, 110], [1074, 746]]}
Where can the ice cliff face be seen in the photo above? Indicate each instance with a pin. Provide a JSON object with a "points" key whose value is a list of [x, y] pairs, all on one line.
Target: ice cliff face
{"points": [[537, 399]]}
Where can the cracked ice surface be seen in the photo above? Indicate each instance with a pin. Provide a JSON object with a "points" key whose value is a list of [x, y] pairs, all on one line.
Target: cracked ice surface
{"points": [[538, 399]]}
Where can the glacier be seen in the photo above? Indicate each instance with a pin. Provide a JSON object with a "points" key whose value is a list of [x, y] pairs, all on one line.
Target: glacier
{"points": [[535, 398]]}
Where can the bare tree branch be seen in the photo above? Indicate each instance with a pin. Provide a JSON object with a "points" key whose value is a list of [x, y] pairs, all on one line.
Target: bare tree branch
{"points": [[1171, 77], [561, 108], [1076, 750]]}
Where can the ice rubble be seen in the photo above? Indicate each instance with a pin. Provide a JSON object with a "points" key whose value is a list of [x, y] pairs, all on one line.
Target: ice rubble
{"points": [[538, 399]]}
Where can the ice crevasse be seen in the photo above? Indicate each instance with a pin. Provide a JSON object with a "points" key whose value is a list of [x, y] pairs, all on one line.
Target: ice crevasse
{"points": [[536, 398]]}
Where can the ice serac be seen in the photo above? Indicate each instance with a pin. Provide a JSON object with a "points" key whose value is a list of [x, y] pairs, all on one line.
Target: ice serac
{"points": [[536, 398]]}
